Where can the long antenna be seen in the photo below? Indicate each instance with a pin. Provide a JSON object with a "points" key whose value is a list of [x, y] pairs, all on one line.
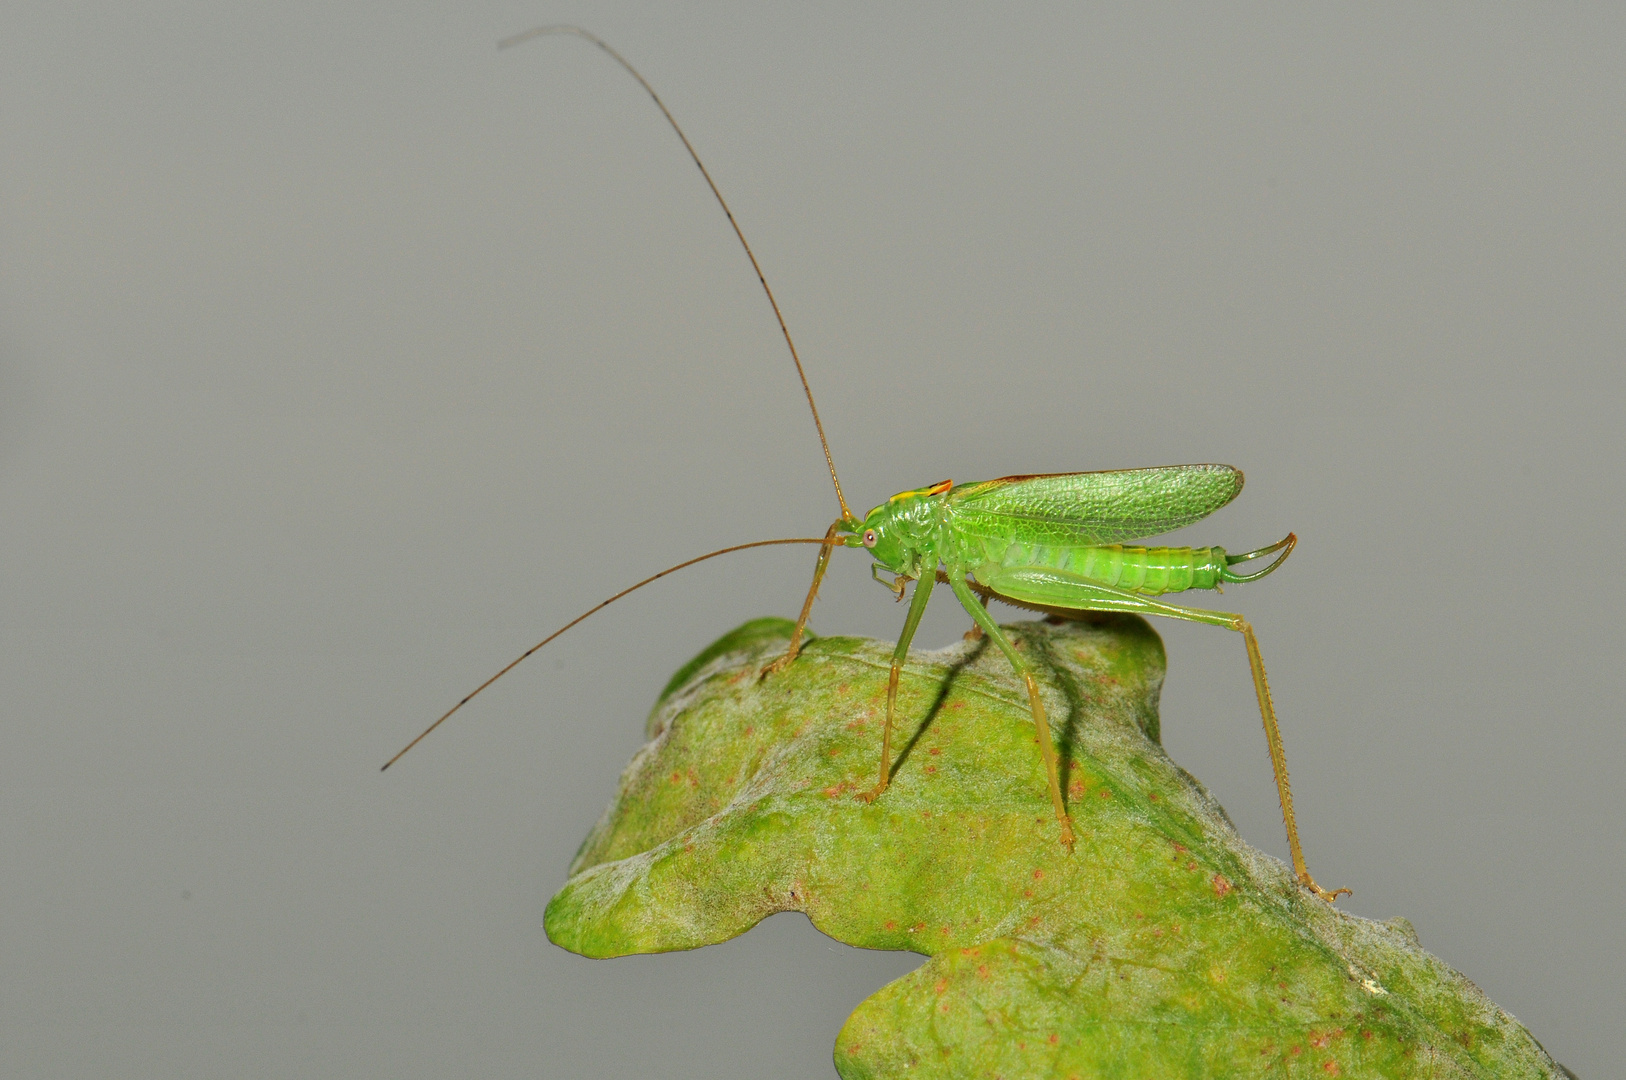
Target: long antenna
{"points": [[596, 608], [549, 31]]}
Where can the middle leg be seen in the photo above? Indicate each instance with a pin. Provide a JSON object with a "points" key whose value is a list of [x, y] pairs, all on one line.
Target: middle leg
{"points": [[1047, 748], [917, 608]]}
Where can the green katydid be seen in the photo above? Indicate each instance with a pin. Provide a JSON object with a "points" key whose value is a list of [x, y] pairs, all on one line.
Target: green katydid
{"points": [[1053, 543]]}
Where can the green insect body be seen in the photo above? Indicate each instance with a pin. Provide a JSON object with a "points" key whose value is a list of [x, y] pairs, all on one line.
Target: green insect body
{"points": [[1054, 543], [1018, 521]]}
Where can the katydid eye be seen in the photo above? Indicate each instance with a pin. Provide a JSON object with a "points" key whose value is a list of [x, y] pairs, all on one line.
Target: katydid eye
{"points": [[869, 538]]}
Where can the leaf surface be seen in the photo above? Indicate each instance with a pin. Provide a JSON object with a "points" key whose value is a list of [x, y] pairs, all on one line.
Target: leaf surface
{"points": [[1163, 947]]}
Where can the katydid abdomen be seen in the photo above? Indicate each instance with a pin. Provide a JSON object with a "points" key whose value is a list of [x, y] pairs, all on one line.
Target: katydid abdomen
{"points": [[1141, 570]]}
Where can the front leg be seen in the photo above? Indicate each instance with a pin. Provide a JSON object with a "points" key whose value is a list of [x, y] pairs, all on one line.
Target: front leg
{"points": [[917, 608], [830, 541]]}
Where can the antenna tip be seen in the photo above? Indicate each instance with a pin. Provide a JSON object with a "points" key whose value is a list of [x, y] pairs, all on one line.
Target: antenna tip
{"points": [[542, 31]]}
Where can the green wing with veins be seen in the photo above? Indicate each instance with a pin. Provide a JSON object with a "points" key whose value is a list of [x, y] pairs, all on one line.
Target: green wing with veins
{"points": [[1106, 507]]}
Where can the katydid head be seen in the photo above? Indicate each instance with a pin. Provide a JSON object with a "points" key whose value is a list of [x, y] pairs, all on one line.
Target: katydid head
{"points": [[886, 541], [897, 533]]}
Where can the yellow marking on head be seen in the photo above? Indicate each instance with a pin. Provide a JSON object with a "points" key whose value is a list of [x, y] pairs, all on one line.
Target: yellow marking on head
{"points": [[925, 492]]}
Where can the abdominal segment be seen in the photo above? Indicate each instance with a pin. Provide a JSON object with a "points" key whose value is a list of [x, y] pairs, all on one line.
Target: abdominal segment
{"points": [[1147, 571]]}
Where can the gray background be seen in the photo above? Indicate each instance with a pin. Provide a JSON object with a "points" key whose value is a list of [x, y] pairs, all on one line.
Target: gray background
{"points": [[341, 357]]}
